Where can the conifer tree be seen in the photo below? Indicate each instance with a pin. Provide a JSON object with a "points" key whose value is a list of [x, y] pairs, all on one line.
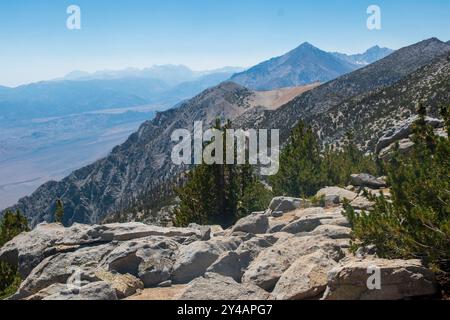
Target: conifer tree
{"points": [[300, 171], [59, 211], [12, 224], [415, 223], [220, 193], [305, 166]]}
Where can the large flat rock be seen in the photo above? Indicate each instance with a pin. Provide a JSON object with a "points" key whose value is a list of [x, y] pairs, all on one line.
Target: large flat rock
{"points": [[398, 279], [193, 260], [271, 263], [306, 278]]}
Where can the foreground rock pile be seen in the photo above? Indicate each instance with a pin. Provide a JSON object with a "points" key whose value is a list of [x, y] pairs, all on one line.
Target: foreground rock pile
{"points": [[294, 250]]}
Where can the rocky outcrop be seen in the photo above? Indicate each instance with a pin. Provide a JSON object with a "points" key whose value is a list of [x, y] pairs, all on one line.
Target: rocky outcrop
{"points": [[332, 231], [271, 263], [50, 290], [286, 204], [306, 278], [151, 259], [28, 249], [342, 194], [193, 260], [228, 264], [307, 258], [398, 279], [60, 267], [402, 131], [362, 203], [366, 180], [309, 221], [234, 263], [254, 223]]}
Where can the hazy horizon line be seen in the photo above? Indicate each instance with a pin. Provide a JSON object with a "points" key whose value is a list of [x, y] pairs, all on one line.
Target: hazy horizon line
{"points": [[186, 65]]}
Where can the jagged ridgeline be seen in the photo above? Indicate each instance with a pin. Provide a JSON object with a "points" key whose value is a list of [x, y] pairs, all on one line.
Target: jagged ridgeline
{"points": [[143, 163], [368, 116], [366, 81]]}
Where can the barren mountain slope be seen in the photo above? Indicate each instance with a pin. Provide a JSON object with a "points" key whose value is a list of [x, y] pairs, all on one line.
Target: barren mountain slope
{"points": [[143, 161], [368, 116]]}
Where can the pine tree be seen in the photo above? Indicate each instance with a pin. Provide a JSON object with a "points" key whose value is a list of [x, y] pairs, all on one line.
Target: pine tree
{"points": [[300, 171], [339, 164], [305, 166], [255, 197], [198, 198], [415, 223], [445, 112], [59, 211], [220, 193], [11, 225]]}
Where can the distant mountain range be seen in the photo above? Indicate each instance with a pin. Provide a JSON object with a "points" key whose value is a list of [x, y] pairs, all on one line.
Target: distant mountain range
{"points": [[363, 59], [170, 74], [166, 85], [142, 164], [303, 65], [160, 86]]}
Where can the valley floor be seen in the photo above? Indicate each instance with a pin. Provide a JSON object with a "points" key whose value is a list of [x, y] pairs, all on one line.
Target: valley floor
{"points": [[35, 152]]}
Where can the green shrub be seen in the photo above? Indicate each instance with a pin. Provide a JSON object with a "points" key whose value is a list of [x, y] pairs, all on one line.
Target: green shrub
{"points": [[415, 223], [305, 167], [59, 211], [11, 225], [9, 280]]}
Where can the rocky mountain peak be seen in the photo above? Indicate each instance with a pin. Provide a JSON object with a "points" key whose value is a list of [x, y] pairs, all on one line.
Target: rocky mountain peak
{"points": [[304, 65], [305, 46]]}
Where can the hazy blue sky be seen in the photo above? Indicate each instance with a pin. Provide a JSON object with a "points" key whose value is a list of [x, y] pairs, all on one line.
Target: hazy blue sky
{"points": [[202, 34]]}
